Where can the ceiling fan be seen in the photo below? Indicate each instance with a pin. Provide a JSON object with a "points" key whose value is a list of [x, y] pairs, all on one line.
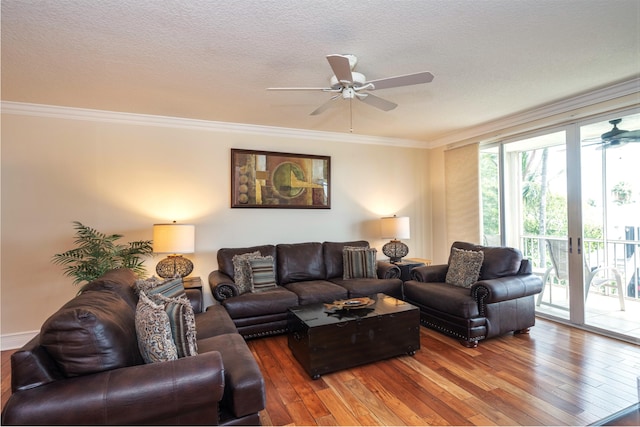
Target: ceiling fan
{"points": [[348, 84], [615, 137]]}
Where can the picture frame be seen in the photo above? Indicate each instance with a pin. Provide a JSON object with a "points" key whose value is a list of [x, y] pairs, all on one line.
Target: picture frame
{"points": [[269, 179]]}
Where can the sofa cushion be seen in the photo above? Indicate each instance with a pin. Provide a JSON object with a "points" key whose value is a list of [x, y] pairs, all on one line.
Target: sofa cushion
{"points": [[263, 276], [445, 298], [214, 321], [299, 262], [242, 270], [464, 267], [273, 301], [333, 257], [154, 332], [182, 321], [313, 291], [93, 332], [498, 261], [359, 263], [366, 287], [225, 256]]}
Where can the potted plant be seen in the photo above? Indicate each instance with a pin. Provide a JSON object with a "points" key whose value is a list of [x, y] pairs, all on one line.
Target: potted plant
{"points": [[96, 253]]}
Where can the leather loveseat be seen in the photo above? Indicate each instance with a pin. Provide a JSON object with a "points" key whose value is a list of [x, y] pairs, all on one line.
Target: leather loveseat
{"points": [[500, 301], [85, 368], [305, 273]]}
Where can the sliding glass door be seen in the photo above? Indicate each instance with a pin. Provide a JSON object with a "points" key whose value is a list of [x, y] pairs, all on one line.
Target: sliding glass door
{"points": [[611, 223], [570, 200]]}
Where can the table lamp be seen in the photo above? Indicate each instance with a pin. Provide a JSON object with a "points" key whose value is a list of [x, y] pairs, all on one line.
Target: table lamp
{"points": [[174, 239], [395, 228]]}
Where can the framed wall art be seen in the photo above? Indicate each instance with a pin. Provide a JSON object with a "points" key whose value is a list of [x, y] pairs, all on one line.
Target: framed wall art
{"points": [[266, 179]]}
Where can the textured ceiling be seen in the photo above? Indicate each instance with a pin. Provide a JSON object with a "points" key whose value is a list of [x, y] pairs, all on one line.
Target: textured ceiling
{"points": [[213, 60]]}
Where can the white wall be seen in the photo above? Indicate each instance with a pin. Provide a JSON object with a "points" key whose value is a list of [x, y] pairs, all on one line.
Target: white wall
{"points": [[123, 176]]}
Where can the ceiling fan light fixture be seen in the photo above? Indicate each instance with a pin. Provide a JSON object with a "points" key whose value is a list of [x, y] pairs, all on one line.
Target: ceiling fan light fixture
{"points": [[358, 80]]}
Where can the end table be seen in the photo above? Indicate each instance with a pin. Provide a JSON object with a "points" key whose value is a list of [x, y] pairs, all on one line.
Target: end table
{"points": [[192, 283], [408, 264]]}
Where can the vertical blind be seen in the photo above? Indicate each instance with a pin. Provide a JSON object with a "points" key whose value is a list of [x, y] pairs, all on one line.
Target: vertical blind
{"points": [[462, 186]]}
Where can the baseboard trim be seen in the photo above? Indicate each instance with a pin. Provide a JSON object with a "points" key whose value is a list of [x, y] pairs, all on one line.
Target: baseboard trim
{"points": [[17, 340]]}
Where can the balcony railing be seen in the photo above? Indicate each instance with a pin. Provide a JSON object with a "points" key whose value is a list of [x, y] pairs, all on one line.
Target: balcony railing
{"points": [[623, 255]]}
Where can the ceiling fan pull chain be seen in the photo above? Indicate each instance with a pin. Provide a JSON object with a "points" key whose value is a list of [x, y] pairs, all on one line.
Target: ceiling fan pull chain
{"points": [[350, 115]]}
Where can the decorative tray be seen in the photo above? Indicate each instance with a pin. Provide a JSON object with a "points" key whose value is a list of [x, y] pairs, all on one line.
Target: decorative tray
{"points": [[350, 304]]}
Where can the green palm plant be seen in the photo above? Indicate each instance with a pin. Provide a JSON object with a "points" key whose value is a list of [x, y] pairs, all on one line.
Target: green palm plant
{"points": [[96, 253]]}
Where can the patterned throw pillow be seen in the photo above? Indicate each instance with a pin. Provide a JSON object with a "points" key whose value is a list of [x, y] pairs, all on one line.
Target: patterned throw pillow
{"points": [[182, 321], [263, 277], [464, 267], [171, 288], [359, 262], [242, 270], [154, 332]]}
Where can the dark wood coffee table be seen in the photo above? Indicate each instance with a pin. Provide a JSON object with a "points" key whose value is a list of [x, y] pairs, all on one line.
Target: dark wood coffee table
{"points": [[326, 341]]}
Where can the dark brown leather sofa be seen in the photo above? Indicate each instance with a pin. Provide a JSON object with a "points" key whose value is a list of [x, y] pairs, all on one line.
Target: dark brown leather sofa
{"points": [[89, 371], [501, 301], [306, 273]]}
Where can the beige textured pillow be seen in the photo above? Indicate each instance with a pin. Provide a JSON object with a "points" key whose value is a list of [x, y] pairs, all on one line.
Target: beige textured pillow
{"points": [[242, 270], [154, 332], [464, 267]]}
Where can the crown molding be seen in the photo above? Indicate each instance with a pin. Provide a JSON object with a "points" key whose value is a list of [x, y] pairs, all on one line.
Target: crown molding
{"points": [[72, 113], [569, 109], [617, 96]]}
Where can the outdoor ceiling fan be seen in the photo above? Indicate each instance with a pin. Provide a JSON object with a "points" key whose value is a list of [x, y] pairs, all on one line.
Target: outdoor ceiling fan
{"points": [[615, 137], [348, 84]]}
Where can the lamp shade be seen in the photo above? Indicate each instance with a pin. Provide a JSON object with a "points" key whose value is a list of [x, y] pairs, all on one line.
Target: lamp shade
{"points": [[395, 227], [174, 238]]}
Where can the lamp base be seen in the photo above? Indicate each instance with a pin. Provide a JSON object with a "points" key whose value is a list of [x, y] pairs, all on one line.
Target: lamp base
{"points": [[395, 250], [174, 266]]}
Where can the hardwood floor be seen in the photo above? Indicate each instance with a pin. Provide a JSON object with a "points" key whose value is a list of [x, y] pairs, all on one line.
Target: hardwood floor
{"points": [[555, 376]]}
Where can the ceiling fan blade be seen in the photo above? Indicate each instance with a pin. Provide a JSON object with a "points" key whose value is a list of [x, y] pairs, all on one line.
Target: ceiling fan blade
{"points": [[630, 135], [376, 101], [326, 89], [625, 135], [324, 106], [611, 145], [405, 80], [341, 67]]}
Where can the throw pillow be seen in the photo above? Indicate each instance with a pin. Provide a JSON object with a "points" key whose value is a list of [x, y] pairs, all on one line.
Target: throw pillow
{"points": [[242, 270], [464, 267], [182, 321], [154, 332], [263, 276], [171, 288], [359, 262]]}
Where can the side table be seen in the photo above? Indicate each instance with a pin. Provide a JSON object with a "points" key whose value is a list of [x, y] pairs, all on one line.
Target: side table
{"points": [[408, 264], [192, 283]]}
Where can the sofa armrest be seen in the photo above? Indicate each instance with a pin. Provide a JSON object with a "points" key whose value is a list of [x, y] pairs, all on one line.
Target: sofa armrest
{"points": [[387, 270], [183, 391], [430, 273], [222, 286], [195, 298], [506, 288]]}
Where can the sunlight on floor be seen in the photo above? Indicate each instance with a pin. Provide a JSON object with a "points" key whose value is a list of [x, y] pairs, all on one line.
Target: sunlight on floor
{"points": [[602, 311]]}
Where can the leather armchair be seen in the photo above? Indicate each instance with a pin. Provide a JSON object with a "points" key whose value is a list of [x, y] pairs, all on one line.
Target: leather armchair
{"points": [[501, 301]]}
